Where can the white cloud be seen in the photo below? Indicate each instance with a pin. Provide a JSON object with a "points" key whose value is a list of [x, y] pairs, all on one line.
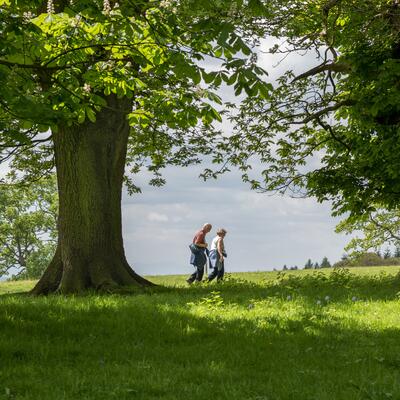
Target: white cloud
{"points": [[156, 217]]}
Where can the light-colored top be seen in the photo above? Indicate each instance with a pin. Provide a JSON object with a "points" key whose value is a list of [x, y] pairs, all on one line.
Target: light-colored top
{"points": [[214, 243]]}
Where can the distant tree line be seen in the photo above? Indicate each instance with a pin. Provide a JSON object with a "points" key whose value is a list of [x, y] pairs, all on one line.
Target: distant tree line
{"points": [[365, 259], [286, 268], [323, 264], [309, 265], [368, 259]]}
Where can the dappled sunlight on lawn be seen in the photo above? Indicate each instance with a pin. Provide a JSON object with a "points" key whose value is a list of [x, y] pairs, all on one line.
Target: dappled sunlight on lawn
{"points": [[302, 336]]}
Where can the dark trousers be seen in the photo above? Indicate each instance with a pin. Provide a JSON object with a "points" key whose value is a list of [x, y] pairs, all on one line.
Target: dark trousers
{"points": [[197, 275], [219, 273]]}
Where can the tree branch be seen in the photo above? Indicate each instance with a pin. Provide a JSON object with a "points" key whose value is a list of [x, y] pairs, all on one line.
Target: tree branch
{"points": [[329, 129], [385, 228], [332, 67], [329, 5], [327, 110]]}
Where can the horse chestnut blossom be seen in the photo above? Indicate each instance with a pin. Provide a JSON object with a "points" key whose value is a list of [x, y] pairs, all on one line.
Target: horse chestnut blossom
{"points": [[165, 3], [27, 16], [106, 7], [50, 7], [87, 88]]}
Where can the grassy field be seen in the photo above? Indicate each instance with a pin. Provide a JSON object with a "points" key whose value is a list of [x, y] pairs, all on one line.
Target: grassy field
{"points": [[299, 335]]}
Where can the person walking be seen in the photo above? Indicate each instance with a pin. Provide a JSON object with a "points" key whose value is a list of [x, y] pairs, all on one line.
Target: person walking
{"points": [[199, 252], [217, 256]]}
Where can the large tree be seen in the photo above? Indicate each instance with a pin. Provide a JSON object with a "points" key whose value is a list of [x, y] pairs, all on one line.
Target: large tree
{"points": [[88, 85], [332, 130]]}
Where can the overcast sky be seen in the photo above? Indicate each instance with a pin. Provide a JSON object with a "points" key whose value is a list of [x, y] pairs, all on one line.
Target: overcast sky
{"points": [[264, 232]]}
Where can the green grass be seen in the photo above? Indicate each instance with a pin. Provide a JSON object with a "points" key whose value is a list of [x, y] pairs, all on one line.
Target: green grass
{"points": [[257, 336]]}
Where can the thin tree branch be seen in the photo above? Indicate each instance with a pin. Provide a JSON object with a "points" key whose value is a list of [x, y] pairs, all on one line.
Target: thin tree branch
{"points": [[327, 110], [385, 228], [333, 67]]}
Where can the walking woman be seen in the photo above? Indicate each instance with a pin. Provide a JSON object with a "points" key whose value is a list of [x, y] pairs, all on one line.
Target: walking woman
{"points": [[217, 256]]}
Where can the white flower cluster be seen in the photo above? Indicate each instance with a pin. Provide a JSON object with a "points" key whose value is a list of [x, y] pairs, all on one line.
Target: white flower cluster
{"points": [[27, 16], [232, 10], [165, 3], [168, 4], [106, 7], [87, 88], [200, 91], [50, 7]]}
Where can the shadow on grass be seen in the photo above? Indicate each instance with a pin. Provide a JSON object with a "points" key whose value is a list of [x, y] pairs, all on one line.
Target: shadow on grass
{"points": [[159, 347]]}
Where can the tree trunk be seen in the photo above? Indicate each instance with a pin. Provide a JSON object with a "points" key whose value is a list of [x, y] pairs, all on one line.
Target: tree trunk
{"points": [[90, 161]]}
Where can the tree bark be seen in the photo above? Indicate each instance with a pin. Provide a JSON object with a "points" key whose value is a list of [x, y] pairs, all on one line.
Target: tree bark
{"points": [[90, 161]]}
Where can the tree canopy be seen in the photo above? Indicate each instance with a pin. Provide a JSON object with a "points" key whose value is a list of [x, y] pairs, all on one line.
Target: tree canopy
{"points": [[331, 131], [59, 60]]}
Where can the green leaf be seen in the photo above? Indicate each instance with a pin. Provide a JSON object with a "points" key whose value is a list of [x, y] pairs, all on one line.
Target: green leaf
{"points": [[257, 7], [81, 115], [208, 77], [218, 52], [90, 114]]}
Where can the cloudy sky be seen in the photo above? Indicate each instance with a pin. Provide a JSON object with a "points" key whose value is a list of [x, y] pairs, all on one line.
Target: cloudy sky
{"points": [[264, 231]]}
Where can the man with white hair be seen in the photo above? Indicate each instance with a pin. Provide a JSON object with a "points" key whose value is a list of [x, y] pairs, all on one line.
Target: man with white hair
{"points": [[199, 251]]}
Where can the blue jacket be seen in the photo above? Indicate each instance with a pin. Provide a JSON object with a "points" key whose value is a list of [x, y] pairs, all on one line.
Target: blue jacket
{"points": [[198, 256], [215, 261]]}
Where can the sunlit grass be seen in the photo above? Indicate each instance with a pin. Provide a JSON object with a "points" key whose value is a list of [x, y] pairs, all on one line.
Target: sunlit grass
{"points": [[180, 280], [299, 335]]}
